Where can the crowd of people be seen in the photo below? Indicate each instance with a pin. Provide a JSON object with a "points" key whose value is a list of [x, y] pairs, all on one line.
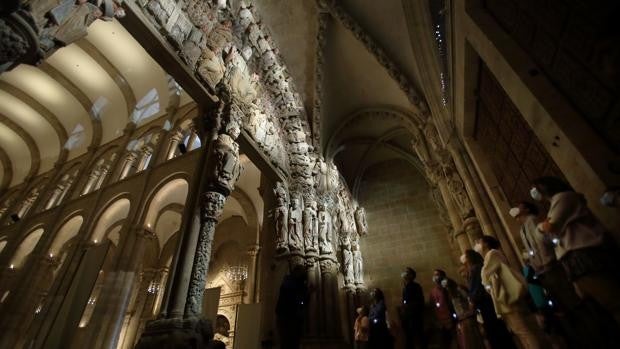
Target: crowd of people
{"points": [[566, 296]]}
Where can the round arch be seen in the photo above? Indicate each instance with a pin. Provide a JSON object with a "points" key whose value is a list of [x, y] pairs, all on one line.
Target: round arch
{"points": [[115, 212], [67, 232], [169, 192], [26, 247]]}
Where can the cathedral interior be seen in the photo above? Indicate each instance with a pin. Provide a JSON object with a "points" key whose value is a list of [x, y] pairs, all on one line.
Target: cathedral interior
{"points": [[250, 174]]}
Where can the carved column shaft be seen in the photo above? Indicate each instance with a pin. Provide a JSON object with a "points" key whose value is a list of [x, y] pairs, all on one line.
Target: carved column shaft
{"points": [[212, 206]]}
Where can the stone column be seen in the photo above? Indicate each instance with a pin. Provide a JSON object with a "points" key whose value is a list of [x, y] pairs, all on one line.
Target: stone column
{"points": [[175, 139], [252, 252], [212, 205], [329, 305], [128, 165], [470, 186]]}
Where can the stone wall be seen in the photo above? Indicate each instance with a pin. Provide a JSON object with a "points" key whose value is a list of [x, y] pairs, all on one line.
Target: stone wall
{"points": [[404, 230]]}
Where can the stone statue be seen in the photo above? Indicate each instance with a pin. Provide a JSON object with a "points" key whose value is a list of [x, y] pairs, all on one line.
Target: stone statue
{"points": [[210, 67], [360, 221], [358, 271], [325, 230], [296, 241], [347, 265], [333, 177], [257, 125], [227, 166], [243, 85], [310, 227], [281, 218]]}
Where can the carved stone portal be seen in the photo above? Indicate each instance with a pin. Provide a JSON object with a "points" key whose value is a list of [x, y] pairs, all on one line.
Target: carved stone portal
{"points": [[281, 218]]}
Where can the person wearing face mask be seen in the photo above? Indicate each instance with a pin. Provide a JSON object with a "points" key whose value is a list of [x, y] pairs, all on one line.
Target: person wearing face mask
{"points": [[412, 311], [583, 246], [442, 306], [611, 197], [508, 290], [494, 328]]}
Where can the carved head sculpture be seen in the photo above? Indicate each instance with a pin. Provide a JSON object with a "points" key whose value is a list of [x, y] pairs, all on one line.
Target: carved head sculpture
{"points": [[295, 202]]}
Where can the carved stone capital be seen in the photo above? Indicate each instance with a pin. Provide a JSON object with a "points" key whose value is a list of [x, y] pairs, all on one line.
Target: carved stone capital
{"points": [[328, 266]]}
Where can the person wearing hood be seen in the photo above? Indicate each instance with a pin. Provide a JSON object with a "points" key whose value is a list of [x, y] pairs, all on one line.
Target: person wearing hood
{"points": [[583, 246]]}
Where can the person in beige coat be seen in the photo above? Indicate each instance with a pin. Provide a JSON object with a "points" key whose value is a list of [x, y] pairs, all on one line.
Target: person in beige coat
{"points": [[508, 290]]}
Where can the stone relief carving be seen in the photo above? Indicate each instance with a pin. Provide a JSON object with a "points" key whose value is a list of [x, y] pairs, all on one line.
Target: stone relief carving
{"points": [[325, 230], [281, 218], [227, 166], [37, 29], [358, 264], [360, 221], [296, 241], [347, 260], [310, 227]]}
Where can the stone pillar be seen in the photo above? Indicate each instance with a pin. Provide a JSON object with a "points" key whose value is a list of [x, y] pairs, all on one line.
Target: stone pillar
{"points": [[175, 139], [461, 239], [313, 315], [212, 205], [116, 294], [470, 187], [329, 305], [252, 252], [128, 165]]}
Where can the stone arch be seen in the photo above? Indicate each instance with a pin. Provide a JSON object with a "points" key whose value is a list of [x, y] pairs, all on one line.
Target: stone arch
{"points": [[172, 190], [67, 231], [26, 247], [402, 117], [115, 211]]}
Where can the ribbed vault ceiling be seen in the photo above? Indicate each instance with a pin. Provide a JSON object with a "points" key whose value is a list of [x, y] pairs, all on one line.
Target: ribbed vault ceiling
{"points": [[84, 95]]}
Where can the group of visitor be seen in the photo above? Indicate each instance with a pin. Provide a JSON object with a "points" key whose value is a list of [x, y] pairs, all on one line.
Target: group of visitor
{"points": [[566, 296]]}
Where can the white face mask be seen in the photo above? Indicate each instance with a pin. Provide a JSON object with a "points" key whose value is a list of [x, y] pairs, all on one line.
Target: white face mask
{"points": [[478, 247], [535, 194], [444, 283], [514, 212]]}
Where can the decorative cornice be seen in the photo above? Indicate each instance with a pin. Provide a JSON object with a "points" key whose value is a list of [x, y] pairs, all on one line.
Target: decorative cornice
{"points": [[80, 96], [413, 95]]}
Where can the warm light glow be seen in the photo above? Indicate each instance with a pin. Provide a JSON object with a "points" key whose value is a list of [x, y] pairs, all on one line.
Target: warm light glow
{"points": [[11, 266], [95, 241]]}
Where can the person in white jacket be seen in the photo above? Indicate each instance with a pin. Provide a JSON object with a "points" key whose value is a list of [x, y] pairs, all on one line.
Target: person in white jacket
{"points": [[583, 245], [507, 288]]}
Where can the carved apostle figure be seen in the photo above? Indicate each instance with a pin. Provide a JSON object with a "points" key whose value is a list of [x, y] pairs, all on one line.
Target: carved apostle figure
{"points": [[347, 265], [360, 221], [325, 230], [211, 67], [310, 226], [358, 271], [281, 217], [321, 175], [296, 241]]}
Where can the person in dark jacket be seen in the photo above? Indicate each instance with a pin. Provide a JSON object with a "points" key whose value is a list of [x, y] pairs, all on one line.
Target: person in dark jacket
{"points": [[412, 311], [379, 336], [290, 309], [495, 330]]}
